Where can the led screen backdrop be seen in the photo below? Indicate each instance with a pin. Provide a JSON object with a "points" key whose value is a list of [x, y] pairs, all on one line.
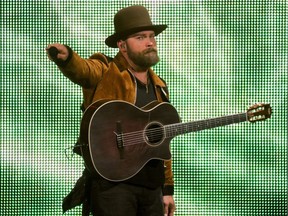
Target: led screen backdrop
{"points": [[218, 58]]}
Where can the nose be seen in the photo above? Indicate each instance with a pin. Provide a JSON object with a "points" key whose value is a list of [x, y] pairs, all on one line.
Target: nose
{"points": [[150, 43]]}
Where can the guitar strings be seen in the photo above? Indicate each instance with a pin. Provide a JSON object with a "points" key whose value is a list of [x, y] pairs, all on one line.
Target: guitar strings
{"points": [[137, 137], [167, 131]]}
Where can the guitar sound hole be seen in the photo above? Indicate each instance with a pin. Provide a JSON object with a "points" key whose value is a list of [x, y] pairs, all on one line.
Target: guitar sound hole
{"points": [[154, 133]]}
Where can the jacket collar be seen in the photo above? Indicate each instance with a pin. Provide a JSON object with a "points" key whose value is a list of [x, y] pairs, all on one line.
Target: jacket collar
{"points": [[123, 65]]}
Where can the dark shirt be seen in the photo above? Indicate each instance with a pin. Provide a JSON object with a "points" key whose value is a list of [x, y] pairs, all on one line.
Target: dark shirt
{"points": [[152, 174], [145, 93]]}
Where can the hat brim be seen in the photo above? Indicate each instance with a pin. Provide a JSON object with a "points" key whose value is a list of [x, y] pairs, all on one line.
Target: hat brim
{"points": [[112, 40]]}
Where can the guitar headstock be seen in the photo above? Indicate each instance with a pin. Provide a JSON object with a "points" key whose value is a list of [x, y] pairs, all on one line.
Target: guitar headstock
{"points": [[259, 112]]}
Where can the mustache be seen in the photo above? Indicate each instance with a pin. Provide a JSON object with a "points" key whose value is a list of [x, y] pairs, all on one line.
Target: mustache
{"points": [[150, 50]]}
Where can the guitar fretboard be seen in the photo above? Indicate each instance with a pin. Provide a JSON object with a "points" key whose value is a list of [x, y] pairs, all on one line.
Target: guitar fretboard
{"points": [[183, 128]]}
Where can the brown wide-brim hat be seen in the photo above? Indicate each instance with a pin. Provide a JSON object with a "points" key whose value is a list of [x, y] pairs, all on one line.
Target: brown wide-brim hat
{"points": [[131, 20]]}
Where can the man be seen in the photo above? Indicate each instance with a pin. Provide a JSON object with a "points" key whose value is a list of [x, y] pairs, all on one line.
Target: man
{"points": [[126, 77]]}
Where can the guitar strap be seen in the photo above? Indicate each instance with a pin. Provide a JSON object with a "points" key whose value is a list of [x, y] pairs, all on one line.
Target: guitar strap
{"points": [[164, 92]]}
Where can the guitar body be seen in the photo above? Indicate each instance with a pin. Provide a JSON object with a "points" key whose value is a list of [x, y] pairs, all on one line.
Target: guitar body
{"points": [[120, 138]]}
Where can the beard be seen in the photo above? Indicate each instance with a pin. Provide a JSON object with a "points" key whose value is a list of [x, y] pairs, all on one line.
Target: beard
{"points": [[144, 59]]}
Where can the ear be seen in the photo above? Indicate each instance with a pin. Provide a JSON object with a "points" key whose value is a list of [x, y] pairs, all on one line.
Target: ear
{"points": [[121, 45]]}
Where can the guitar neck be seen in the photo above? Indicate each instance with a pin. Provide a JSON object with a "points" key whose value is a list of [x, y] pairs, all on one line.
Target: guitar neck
{"points": [[183, 128]]}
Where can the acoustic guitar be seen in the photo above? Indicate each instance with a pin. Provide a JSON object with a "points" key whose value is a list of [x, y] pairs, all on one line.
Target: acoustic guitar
{"points": [[118, 138]]}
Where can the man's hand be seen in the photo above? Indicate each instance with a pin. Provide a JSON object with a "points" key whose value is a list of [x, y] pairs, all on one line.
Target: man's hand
{"points": [[63, 52], [169, 205]]}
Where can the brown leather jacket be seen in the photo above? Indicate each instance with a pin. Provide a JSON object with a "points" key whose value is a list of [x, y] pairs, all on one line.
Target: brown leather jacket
{"points": [[98, 72], [102, 77]]}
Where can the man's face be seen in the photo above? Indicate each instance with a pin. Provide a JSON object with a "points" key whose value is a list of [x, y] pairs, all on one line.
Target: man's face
{"points": [[142, 49]]}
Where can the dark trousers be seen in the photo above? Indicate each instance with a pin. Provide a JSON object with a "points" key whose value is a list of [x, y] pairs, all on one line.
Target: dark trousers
{"points": [[120, 199]]}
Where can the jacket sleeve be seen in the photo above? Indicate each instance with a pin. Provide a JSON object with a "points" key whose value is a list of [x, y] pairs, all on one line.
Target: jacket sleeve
{"points": [[84, 72], [168, 188]]}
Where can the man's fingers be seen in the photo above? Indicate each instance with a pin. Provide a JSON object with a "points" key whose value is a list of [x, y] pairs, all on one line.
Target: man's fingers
{"points": [[53, 53], [57, 52]]}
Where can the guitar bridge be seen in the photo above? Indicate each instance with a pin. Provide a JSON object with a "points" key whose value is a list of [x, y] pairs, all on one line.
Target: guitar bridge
{"points": [[119, 137], [119, 140]]}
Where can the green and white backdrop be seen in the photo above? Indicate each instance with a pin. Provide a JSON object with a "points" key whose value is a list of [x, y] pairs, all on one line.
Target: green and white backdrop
{"points": [[218, 58]]}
